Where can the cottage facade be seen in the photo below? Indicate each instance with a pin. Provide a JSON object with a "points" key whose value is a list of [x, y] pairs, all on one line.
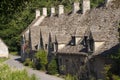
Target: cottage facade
{"points": [[3, 49], [80, 40]]}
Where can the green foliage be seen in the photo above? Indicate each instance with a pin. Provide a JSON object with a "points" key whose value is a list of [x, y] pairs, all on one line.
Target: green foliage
{"points": [[52, 67], [14, 53], [28, 62], [3, 59], [108, 74], [70, 77], [115, 77], [97, 3], [41, 57], [6, 73], [112, 71], [62, 67], [116, 58]]}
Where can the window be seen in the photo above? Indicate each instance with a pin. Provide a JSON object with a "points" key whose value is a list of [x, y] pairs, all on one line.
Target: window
{"points": [[46, 46]]}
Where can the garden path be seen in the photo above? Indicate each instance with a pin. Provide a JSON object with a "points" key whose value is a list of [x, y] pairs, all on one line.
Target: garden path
{"points": [[14, 62]]}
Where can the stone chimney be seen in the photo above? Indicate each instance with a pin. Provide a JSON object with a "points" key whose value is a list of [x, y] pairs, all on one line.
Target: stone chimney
{"points": [[45, 11], [52, 11], [85, 6], [107, 2], [37, 13], [61, 9], [76, 7]]}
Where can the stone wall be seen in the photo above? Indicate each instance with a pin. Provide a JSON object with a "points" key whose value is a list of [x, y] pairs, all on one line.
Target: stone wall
{"points": [[97, 66], [82, 66], [3, 49], [72, 64]]}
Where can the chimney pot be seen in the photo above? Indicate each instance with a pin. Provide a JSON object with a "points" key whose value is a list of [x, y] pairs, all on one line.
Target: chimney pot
{"points": [[85, 6], [107, 2], [61, 9], [45, 11], [37, 13], [52, 11], [76, 7]]}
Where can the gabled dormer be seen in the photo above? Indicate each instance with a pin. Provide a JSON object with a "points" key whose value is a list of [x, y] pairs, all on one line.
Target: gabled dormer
{"points": [[89, 42], [40, 45], [30, 40], [56, 45]]}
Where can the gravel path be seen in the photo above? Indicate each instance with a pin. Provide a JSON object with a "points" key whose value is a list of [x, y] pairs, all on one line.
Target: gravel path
{"points": [[14, 63]]}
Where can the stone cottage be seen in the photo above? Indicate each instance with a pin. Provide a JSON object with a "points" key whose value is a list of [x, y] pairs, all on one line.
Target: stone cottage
{"points": [[3, 49], [80, 40]]}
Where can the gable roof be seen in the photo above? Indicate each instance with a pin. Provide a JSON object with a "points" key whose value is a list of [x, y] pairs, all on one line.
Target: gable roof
{"points": [[102, 22], [1, 41]]}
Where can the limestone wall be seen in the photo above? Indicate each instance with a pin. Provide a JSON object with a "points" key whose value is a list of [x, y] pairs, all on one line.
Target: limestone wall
{"points": [[3, 49], [60, 46], [77, 39], [97, 66], [98, 45], [72, 64]]}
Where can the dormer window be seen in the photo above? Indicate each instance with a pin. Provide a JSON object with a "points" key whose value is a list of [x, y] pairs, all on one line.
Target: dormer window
{"points": [[46, 46], [73, 41], [89, 43]]}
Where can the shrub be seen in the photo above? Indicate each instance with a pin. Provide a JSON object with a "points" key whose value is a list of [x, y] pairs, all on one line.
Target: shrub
{"points": [[70, 77], [52, 67], [115, 77], [28, 62], [41, 57]]}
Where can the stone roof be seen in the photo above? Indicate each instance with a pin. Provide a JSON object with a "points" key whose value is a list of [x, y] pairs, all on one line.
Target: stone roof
{"points": [[34, 21], [102, 22]]}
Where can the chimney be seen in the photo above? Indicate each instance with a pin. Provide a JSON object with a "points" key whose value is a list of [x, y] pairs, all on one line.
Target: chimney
{"points": [[76, 7], [37, 13], [45, 11], [61, 9], [52, 11], [107, 2], [85, 6]]}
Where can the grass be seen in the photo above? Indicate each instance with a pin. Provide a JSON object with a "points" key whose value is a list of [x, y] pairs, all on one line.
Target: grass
{"points": [[3, 59], [14, 53], [6, 73]]}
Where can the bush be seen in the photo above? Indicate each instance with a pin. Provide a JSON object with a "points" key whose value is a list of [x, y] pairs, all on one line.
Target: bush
{"points": [[115, 77], [41, 57], [52, 67], [70, 77], [109, 75], [6, 73], [28, 62]]}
